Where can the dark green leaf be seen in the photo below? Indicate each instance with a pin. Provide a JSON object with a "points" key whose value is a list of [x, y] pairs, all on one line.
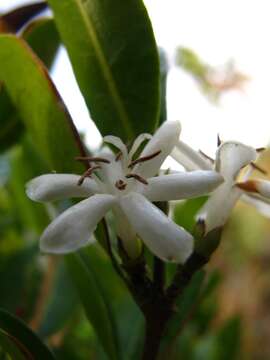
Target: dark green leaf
{"points": [[39, 104], [24, 337], [115, 61], [14, 20], [43, 38], [96, 306]]}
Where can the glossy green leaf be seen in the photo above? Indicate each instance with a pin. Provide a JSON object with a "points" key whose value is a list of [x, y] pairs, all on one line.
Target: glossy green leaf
{"points": [[39, 104], [24, 337], [43, 38], [96, 307], [115, 60]]}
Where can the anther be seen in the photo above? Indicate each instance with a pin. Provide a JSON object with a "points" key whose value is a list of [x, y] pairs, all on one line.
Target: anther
{"points": [[144, 158], [206, 156], [120, 184], [219, 141], [87, 174], [257, 167], [118, 156], [261, 149], [138, 178], [92, 159]]}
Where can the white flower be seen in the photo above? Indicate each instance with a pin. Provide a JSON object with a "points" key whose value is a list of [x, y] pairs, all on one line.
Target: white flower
{"points": [[231, 158], [127, 187]]}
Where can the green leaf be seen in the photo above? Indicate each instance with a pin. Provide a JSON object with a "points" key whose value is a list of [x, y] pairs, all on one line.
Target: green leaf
{"points": [[43, 38], [23, 337], [11, 125], [115, 61], [39, 104], [96, 307]]}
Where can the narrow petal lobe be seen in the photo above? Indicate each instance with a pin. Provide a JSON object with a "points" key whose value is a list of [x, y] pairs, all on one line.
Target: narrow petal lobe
{"points": [[182, 185], [74, 227], [161, 235], [52, 187]]}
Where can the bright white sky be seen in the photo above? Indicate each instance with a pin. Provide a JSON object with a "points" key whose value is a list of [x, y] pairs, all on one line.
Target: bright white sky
{"points": [[217, 30]]}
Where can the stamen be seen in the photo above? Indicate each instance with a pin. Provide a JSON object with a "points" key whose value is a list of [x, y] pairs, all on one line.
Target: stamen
{"points": [[261, 149], [257, 167], [206, 156], [118, 156], [144, 158], [249, 186], [137, 177], [86, 174], [92, 159], [120, 184], [219, 141]]}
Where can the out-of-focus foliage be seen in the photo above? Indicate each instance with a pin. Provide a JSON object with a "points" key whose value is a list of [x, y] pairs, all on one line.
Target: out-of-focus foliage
{"points": [[212, 81]]}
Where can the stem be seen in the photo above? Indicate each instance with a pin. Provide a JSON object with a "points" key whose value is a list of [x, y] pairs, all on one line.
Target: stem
{"points": [[153, 336], [159, 273]]}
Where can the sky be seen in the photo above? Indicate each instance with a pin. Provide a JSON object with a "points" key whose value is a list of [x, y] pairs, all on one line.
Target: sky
{"points": [[218, 31]]}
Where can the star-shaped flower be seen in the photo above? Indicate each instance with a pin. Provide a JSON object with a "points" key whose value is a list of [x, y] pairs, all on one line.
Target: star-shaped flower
{"points": [[127, 186], [231, 158]]}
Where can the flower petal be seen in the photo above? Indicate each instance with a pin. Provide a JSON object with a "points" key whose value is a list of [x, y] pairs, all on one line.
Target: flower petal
{"points": [[52, 187], [74, 227], [118, 143], [182, 185], [189, 158], [165, 140], [126, 233], [218, 207], [232, 157], [136, 144], [161, 235]]}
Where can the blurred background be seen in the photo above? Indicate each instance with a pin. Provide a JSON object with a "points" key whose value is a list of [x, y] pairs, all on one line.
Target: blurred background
{"points": [[216, 58]]}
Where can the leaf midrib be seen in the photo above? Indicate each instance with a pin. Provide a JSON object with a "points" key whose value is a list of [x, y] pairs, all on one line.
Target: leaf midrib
{"points": [[123, 116]]}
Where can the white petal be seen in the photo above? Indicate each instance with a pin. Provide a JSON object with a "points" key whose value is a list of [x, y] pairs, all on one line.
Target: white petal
{"points": [[161, 235], [218, 207], [118, 143], [182, 185], [189, 158], [52, 187], [126, 233], [232, 157], [165, 140], [136, 144], [74, 227]]}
